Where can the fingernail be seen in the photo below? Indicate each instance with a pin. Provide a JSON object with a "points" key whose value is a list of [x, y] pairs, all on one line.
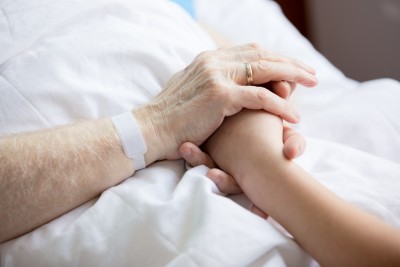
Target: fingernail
{"points": [[217, 180], [315, 80], [300, 150], [186, 152], [296, 115]]}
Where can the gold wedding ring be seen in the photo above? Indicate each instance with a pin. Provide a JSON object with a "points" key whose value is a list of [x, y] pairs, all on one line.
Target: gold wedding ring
{"points": [[249, 73]]}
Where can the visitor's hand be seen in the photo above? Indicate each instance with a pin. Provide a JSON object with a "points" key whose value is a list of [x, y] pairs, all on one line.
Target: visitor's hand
{"points": [[224, 181], [196, 100], [294, 146]]}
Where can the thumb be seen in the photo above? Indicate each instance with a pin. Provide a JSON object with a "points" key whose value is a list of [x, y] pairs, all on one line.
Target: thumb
{"points": [[194, 156], [254, 97], [294, 143]]}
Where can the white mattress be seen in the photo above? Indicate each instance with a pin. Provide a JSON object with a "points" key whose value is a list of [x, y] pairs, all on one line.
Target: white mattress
{"points": [[67, 60]]}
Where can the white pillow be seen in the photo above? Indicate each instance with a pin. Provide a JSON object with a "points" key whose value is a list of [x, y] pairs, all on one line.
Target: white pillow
{"points": [[68, 60]]}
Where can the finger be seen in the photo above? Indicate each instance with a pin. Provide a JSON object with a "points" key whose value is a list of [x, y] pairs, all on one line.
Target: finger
{"points": [[225, 182], [254, 52], [265, 71], [292, 87], [194, 156], [262, 54], [256, 210], [294, 143], [253, 97], [282, 89]]}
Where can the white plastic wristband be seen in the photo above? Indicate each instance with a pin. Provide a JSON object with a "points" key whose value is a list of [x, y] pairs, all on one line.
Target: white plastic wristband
{"points": [[131, 138]]}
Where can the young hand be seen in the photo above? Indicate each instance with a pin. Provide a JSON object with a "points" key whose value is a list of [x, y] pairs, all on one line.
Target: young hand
{"points": [[294, 146]]}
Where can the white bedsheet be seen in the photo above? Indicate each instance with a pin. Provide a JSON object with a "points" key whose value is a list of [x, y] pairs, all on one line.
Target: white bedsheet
{"points": [[66, 60]]}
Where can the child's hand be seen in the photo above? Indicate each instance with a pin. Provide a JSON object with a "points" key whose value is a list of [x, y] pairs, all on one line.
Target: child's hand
{"points": [[294, 146], [225, 182]]}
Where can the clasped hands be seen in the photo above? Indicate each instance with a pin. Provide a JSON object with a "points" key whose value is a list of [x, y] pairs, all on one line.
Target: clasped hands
{"points": [[196, 100]]}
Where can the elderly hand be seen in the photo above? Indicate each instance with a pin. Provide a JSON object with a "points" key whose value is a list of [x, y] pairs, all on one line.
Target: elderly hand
{"points": [[196, 100]]}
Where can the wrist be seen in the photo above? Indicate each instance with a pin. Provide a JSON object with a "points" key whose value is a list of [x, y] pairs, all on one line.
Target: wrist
{"points": [[154, 131]]}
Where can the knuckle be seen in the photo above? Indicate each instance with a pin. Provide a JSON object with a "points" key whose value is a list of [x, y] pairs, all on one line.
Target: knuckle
{"points": [[208, 73], [212, 82], [216, 89], [202, 61], [263, 96], [208, 70], [221, 91], [232, 73], [202, 54], [264, 65], [255, 46], [259, 54], [203, 58]]}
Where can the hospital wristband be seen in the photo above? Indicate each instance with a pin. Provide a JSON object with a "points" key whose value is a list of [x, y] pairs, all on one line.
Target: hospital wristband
{"points": [[131, 138]]}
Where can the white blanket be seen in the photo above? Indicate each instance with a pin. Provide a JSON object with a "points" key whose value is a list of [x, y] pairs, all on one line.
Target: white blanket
{"points": [[67, 60]]}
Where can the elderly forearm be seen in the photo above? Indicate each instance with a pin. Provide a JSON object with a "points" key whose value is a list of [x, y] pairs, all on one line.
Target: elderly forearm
{"points": [[48, 173]]}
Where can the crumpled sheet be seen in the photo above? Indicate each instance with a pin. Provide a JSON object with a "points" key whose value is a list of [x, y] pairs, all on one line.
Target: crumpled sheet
{"points": [[67, 60]]}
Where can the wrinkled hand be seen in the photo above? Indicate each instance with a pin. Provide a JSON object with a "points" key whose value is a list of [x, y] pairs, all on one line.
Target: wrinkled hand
{"points": [[196, 100], [294, 146]]}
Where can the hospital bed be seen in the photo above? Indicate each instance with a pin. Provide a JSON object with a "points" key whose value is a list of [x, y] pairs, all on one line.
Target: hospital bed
{"points": [[66, 60]]}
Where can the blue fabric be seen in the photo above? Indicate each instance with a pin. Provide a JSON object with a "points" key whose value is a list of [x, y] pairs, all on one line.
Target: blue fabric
{"points": [[187, 5]]}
